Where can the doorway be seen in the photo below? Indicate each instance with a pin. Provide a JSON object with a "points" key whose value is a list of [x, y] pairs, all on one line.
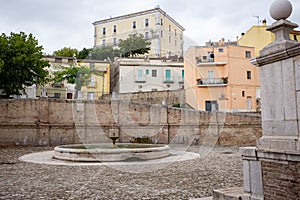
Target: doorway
{"points": [[249, 103], [211, 106]]}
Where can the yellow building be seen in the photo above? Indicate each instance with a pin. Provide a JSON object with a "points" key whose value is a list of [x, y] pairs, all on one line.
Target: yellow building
{"points": [[57, 90], [220, 77], [258, 37], [165, 34], [99, 83]]}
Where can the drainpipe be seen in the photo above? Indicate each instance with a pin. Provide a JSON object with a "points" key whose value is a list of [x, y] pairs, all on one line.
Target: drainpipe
{"points": [[157, 37]]}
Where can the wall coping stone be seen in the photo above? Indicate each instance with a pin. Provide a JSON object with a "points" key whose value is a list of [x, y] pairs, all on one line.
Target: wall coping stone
{"points": [[253, 153], [277, 56]]}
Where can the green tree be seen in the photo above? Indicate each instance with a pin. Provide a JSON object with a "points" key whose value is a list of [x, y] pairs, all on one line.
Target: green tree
{"points": [[84, 53], [134, 45], [101, 53], [21, 63], [80, 76], [66, 52]]}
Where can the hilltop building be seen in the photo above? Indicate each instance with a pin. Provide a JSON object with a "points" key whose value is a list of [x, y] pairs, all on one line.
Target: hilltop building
{"points": [[165, 34]]}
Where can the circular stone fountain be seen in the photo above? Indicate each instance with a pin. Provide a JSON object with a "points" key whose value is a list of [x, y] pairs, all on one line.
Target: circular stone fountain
{"points": [[107, 152]]}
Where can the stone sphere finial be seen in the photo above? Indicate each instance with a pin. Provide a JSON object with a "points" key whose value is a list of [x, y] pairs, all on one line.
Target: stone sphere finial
{"points": [[281, 9]]}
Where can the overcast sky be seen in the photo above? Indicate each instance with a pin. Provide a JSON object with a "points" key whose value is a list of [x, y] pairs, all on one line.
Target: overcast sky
{"points": [[68, 23]]}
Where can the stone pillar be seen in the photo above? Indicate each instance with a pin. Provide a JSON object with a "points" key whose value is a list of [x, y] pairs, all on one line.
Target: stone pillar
{"points": [[253, 183], [272, 169], [278, 74]]}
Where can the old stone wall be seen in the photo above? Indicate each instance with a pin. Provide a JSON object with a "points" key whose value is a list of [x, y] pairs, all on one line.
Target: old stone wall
{"points": [[170, 97], [42, 122], [281, 180]]}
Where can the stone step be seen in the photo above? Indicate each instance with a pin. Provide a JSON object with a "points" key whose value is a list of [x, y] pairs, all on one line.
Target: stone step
{"points": [[228, 194]]}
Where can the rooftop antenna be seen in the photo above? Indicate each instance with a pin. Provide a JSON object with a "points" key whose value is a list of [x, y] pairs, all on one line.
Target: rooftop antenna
{"points": [[258, 19]]}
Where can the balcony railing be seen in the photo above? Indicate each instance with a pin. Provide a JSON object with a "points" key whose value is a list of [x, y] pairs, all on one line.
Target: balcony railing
{"points": [[140, 80], [210, 61], [213, 82], [168, 80]]}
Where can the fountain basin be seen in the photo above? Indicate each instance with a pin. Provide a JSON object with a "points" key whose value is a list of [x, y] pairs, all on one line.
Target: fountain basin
{"points": [[107, 152]]}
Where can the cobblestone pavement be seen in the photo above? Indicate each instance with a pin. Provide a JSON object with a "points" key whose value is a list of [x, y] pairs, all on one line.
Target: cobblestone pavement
{"points": [[221, 168]]}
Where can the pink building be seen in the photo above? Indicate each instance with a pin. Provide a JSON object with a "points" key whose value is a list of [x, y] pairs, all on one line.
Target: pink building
{"points": [[220, 77]]}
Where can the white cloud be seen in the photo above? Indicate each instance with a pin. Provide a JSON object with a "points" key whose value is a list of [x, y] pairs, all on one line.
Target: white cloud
{"points": [[60, 23]]}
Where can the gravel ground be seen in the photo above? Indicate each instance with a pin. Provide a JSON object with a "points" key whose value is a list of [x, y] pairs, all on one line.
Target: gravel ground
{"points": [[221, 168]]}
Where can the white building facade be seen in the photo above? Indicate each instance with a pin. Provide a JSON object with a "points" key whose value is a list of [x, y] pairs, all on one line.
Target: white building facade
{"points": [[143, 75]]}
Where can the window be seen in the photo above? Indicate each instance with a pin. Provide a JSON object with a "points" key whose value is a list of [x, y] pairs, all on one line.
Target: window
{"points": [[103, 42], [92, 82], [170, 40], [90, 95], [134, 24], [295, 38], [104, 31], [168, 75], [146, 35], [175, 32], [146, 22], [243, 93], [169, 28], [140, 74], [248, 54], [57, 95], [249, 103], [175, 43], [210, 76], [147, 71], [69, 95], [161, 22], [161, 34], [154, 73], [115, 43], [221, 50], [115, 29], [182, 74], [248, 75], [92, 66], [211, 106]]}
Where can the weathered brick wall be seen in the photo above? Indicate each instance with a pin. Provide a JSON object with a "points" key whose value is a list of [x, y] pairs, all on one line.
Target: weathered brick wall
{"points": [[172, 97], [41, 122], [281, 180]]}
